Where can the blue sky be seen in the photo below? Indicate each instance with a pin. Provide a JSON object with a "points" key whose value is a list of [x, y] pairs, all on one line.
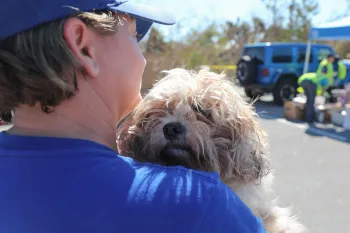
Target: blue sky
{"points": [[197, 13]]}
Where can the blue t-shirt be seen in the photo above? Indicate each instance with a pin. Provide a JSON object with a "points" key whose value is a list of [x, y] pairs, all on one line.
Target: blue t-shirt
{"points": [[61, 185]]}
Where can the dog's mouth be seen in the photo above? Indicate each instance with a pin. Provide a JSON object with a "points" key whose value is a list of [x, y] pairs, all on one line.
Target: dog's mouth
{"points": [[176, 155]]}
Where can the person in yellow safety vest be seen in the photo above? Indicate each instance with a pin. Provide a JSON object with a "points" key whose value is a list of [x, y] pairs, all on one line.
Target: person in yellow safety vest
{"points": [[312, 84], [342, 72], [325, 68], [339, 72]]}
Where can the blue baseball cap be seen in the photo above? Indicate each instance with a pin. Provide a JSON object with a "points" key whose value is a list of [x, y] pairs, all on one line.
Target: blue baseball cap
{"points": [[19, 15]]}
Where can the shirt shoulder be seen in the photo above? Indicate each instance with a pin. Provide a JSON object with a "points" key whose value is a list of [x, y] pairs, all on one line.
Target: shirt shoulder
{"points": [[227, 213], [198, 199], [119, 193]]}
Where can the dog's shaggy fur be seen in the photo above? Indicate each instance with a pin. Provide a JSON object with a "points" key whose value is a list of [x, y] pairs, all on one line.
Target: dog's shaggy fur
{"points": [[197, 120]]}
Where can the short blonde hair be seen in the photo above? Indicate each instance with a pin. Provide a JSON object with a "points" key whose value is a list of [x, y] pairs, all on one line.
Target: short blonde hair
{"points": [[37, 66]]}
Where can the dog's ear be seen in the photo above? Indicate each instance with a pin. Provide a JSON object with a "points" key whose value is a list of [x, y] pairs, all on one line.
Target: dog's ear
{"points": [[129, 138], [242, 151], [252, 161], [124, 122], [258, 155], [123, 136]]}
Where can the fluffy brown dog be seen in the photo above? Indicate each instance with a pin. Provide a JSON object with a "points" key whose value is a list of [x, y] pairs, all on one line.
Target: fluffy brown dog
{"points": [[197, 120]]}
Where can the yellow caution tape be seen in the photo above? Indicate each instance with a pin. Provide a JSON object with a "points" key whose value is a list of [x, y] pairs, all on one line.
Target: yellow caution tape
{"points": [[223, 67]]}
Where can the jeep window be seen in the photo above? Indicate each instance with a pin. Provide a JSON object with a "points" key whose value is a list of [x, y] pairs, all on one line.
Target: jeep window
{"points": [[255, 52], [302, 54], [323, 53], [282, 55]]}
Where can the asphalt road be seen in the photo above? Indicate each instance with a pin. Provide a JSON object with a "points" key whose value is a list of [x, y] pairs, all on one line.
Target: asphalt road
{"points": [[312, 169]]}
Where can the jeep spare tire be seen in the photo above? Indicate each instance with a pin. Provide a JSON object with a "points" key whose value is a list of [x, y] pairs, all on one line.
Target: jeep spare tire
{"points": [[246, 70]]}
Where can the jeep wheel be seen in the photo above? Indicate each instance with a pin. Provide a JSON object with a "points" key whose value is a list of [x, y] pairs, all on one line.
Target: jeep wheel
{"points": [[285, 90], [246, 70], [251, 94]]}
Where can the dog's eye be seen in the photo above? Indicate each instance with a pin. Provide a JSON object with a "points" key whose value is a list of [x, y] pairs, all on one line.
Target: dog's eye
{"points": [[200, 110]]}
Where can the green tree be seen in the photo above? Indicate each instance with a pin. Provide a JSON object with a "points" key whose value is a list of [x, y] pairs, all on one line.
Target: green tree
{"points": [[202, 47], [155, 43], [221, 44], [300, 14], [304, 11]]}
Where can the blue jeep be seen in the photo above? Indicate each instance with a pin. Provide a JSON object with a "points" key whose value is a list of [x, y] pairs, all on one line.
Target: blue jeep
{"points": [[275, 68]]}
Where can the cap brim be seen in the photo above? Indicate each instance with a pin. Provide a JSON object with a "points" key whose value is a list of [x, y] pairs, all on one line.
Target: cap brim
{"points": [[142, 27], [145, 16]]}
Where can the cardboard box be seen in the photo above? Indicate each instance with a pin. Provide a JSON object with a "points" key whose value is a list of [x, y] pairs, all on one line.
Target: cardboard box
{"points": [[300, 101], [293, 111]]}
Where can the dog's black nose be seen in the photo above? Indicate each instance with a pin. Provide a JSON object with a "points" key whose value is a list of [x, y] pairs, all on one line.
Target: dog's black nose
{"points": [[173, 129]]}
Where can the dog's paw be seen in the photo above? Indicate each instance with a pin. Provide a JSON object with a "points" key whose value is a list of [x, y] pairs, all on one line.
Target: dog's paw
{"points": [[280, 220]]}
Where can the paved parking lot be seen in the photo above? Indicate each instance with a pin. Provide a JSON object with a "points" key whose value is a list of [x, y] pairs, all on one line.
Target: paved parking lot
{"points": [[312, 167]]}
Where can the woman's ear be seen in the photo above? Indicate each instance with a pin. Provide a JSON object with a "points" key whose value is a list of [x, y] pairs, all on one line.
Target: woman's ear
{"points": [[80, 40]]}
